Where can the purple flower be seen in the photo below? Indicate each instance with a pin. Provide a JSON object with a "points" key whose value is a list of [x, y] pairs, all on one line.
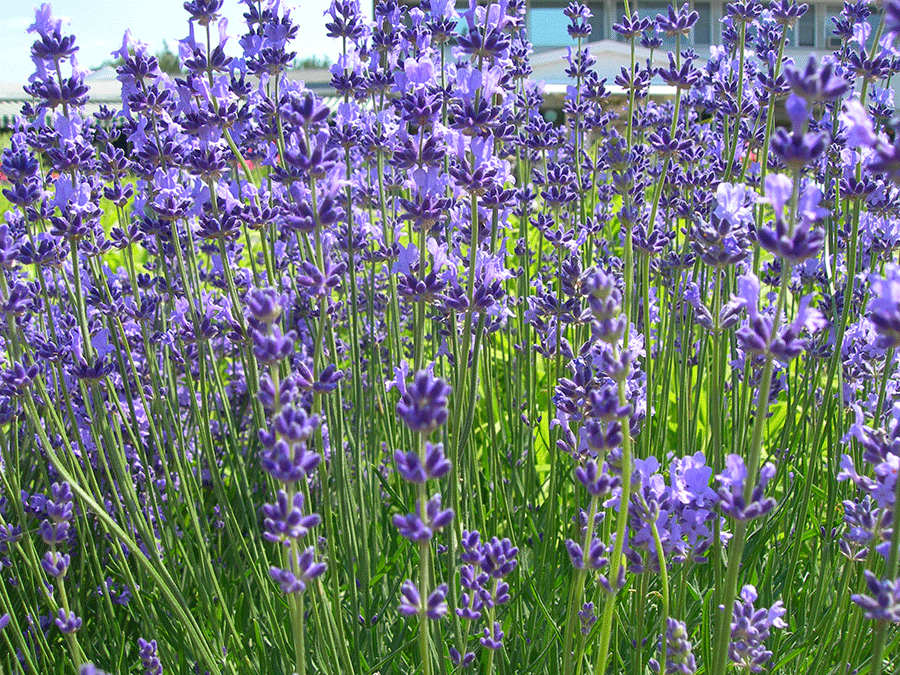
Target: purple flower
{"points": [[588, 617], [778, 190], [731, 492], [90, 669], [411, 469], [44, 21], [632, 26], [679, 658], [892, 17], [858, 124], [414, 528], [465, 659], [493, 638], [55, 564], [596, 557], [498, 557], [677, 22], [423, 405], [750, 627], [884, 306], [272, 347], [68, 623], [434, 608], [149, 658], [816, 85], [690, 478], [303, 569], [579, 20], [265, 304], [884, 602], [203, 12], [285, 520], [596, 482]]}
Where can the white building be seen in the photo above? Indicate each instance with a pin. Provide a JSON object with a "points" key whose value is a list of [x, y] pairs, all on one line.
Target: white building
{"points": [[547, 25], [547, 29]]}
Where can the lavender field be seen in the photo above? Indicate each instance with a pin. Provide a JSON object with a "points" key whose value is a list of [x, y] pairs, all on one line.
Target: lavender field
{"points": [[418, 382]]}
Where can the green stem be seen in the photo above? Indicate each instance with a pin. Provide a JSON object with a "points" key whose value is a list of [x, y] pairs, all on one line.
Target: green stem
{"points": [[615, 562], [664, 602]]}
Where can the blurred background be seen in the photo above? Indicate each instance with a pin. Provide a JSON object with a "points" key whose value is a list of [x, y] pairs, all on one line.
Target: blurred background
{"points": [[98, 26]]}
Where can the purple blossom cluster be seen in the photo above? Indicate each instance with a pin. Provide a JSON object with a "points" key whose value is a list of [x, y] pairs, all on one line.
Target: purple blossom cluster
{"points": [[209, 294], [750, 628], [485, 566]]}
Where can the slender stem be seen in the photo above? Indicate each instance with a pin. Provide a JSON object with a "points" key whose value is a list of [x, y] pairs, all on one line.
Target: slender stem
{"points": [[424, 563], [664, 602], [621, 527], [578, 588]]}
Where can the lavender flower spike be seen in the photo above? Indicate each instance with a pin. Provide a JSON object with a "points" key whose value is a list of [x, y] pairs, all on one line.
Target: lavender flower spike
{"points": [[679, 659], [750, 628], [884, 603], [885, 306], [423, 406], [731, 492]]}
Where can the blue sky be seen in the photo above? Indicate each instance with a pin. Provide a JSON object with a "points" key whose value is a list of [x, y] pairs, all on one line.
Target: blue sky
{"points": [[98, 26]]}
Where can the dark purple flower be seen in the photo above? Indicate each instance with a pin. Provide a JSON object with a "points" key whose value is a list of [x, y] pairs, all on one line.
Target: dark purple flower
{"points": [[411, 601], [68, 623], [265, 304], [272, 347], [632, 26], [303, 570], [677, 22], [884, 602], [465, 659], [204, 12], [498, 557], [579, 20], [493, 637], [411, 469], [423, 405], [597, 482], [786, 12], [55, 564], [285, 520]]}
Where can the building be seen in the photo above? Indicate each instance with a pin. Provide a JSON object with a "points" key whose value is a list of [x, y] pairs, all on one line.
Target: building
{"points": [[547, 25], [547, 29]]}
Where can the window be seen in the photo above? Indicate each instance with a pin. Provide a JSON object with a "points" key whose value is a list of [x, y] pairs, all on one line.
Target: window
{"points": [[806, 28], [832, 41], [619, 15], [703, 27], [598, 21]]}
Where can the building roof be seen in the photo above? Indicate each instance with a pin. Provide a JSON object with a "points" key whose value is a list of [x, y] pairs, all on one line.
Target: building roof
{"points": [[611, 56]]}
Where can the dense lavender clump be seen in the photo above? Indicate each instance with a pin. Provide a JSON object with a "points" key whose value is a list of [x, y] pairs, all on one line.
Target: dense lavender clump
{"points": [[625, 346]]}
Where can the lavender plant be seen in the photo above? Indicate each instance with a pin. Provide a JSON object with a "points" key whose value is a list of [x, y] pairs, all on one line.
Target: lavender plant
{"points": [[691, 305]]}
